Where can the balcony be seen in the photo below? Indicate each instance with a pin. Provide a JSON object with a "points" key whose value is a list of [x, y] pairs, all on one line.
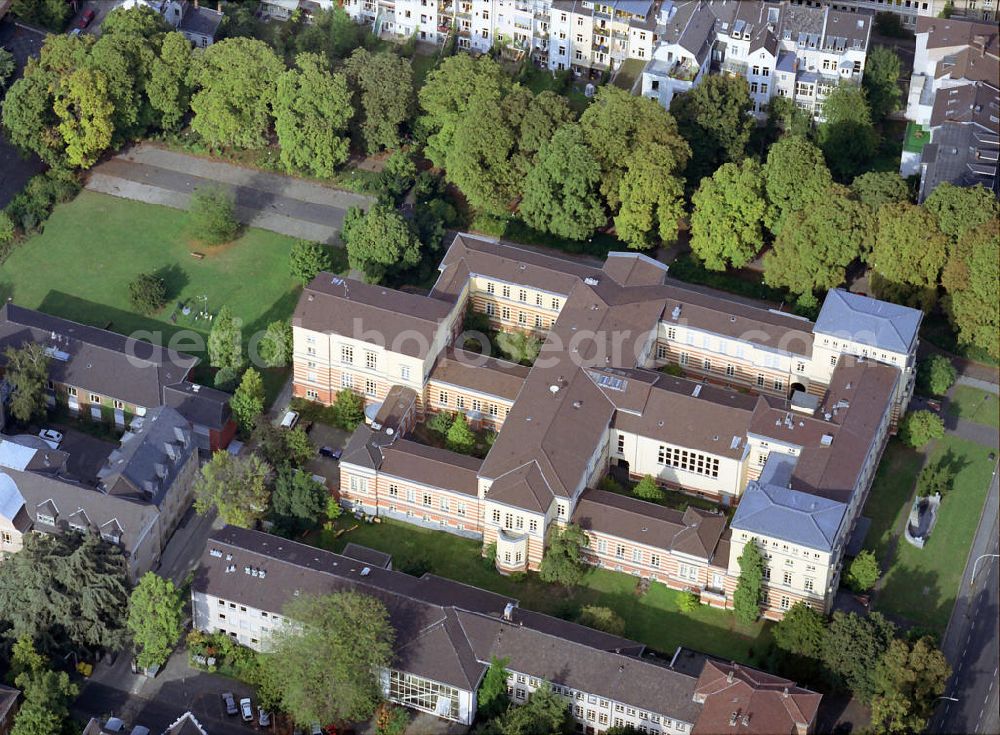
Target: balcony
{"points": [[735, 68]]}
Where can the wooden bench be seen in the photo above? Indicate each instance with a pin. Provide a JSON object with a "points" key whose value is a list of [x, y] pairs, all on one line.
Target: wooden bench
{"points": [[197, 256]]}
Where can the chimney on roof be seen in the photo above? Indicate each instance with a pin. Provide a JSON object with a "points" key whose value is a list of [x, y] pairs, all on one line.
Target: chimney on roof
{"points": [[734, 717], [729, 677], [508, 611], [785, 693], [170, 450], [745, 721]]}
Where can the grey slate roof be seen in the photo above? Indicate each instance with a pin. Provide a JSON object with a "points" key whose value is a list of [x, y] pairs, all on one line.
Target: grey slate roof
{"points": [[95, 359], [368, 556], [797, 517], [151, 454], [199, 404], [878, 324]]}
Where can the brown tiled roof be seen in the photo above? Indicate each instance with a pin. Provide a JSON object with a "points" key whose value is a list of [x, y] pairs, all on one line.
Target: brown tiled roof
{"points": [[431, 466], [692, 414], [635, 269], [332, 304], [693, 532], [96, 360], [480, 374], [524, 487], [762, 704], [942, 33]]}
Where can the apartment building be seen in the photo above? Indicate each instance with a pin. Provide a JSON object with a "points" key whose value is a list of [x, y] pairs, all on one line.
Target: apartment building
{"points": [[144, 490], [110, 377], [447, 633], [757, 387], [954, 104], [911, 11]]}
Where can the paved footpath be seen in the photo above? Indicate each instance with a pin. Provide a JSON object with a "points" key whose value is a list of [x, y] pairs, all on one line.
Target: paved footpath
{"points": [[283, 204]]}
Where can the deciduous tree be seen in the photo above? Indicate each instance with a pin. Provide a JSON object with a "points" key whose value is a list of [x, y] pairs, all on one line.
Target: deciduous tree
{"points": [[563, 562], [847, 136], [727, 220], [85, 112], [28, 116], [935, 375], [236, 82], [234, 486], [247, 402], [795, 178], [959, 209], [714, 118], [815, 245], [327, 666], [155, 618], [298, 502], [909, 247], [312, 109], [492, 697], [212, 214], [881, 81], [648, 489], [561, 191], [972, 279], [875, 188], [652, 198], [307, 258], [379, 241], [383, 87], [618, 126], [147, 293], [863, 572], [350, 409], [920, 427], [853, 647], [225, 344], [275, 347], [460, 437], [908, 679], [27, 372], [170, 80], [801, 632]]}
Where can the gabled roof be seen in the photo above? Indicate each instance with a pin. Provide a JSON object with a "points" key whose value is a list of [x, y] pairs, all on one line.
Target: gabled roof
{"points": [[199, 404], [186, 724], [96, 360], [797, 517], [878, 324]]}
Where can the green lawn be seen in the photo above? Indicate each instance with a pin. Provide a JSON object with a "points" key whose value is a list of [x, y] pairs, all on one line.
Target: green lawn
{"points": [[916, 138], [972, 404], [422, 66], [889, 498], [80, 267], [921, 584], [653, 618]]}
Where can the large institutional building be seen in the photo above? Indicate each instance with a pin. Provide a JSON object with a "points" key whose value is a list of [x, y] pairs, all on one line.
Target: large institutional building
{"points": [[777, 417], [447, 633]]}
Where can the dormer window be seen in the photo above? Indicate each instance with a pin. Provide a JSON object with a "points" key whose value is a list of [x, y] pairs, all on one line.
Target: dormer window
{"points": [[45, 518]]}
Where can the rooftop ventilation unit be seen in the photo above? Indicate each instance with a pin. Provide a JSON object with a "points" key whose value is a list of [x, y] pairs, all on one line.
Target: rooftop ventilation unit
{"points": [[590, 281], [826, 440]]}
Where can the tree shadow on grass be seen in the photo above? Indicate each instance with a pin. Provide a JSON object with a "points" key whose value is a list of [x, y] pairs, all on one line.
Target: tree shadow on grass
{"points": [[913, 599], [174, 279]]}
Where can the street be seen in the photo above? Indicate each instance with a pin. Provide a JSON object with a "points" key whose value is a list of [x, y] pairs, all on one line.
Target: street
{"points": [[972, 640]]}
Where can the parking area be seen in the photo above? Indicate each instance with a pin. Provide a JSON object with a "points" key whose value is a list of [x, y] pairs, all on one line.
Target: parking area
{"points": [[100, 10], [15, 169], [323, 435]]}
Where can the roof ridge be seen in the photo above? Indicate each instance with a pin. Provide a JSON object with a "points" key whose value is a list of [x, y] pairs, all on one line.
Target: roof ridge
{"points": [[379, 307]]}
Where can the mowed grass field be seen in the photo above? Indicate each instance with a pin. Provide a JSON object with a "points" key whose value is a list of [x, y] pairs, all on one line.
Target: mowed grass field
{"points": [[972, 404], [653, 618], [921, 584], [93, 247]]}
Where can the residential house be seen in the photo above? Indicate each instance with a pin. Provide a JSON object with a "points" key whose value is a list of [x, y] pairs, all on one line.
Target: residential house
{"points": [[198, 24], [447, 633], [954, 104], [8, 708], [910, 12], [683, 55], [144, 490], [111, 377]]}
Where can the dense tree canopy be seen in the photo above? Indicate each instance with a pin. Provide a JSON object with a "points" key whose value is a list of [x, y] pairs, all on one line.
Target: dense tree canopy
{"points": [[714, 118], [749, 592], [875, 188], [909, 247], [727, 220], [847, 136], [27, 373], [379, 241], [237, 82], [881, 81], [247, 402], [618, 126], [652, 198], [155, 618], [170, 80], [795, 178], [972, 279], [563, 560], [234, 486], [801, 631], [853, 647], [66, 592], [298, 502], [908, 679], [327, 666], [561, 191], [383, 88], [959, 209], [85, 112], [225, 345], [815, 246], [312, 109]]}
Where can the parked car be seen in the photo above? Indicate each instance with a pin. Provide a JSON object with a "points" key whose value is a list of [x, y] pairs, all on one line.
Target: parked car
{"points": [[315, 729], [934, 406], [263, 717], [140, 730], [51, 437], [87, 18], [230, 703], [331, 452], [289, 420], [114, 724], [246, 709]]}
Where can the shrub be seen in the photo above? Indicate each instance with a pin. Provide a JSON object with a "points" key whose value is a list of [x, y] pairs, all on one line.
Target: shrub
{"points": [[390, 720], [147, 293], [920, 427], [602, 618], [460, 437], [647, 489], [936, 477], [349, 409], [440, 422], [935, 375], [610, 484], [32, 207], [687, 601], [226, 378], [213, 215], [7, 66]]}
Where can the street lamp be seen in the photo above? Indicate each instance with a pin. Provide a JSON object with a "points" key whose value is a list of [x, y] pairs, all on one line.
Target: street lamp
{"points": [[975, 565]]}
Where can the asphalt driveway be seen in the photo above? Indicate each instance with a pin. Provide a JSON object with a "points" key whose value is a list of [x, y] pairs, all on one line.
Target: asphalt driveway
{"points": [[283, 204]]}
